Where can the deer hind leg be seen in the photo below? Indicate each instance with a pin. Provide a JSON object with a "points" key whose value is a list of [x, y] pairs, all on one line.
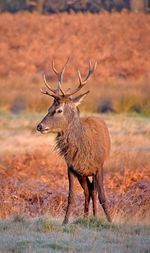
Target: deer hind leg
{"points": [[71, 196], [89, 192], [101, 194], [94, 195], [86, 185]]}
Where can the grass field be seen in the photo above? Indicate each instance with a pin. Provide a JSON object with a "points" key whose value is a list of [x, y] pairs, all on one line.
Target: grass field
{"points": [[33, 177], [119, 44], [34, 182], [22, 94], [20, 235]]}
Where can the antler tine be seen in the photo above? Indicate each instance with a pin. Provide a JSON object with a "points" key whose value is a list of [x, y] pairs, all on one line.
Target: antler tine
{"points": [[47, 85], [47, 93], [60, 76], [54, 69], [91, 70], [83, 82], [64, 67]]}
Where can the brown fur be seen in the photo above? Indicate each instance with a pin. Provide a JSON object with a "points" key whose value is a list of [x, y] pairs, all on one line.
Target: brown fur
{"points": [[85, 145]]}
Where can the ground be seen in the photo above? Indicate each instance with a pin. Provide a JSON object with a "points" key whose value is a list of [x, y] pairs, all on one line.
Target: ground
{"points": [[84, 235]]}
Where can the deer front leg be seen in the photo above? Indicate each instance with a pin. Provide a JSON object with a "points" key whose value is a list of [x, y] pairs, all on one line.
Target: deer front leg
{"points": [[71, 197], [86, 185]]}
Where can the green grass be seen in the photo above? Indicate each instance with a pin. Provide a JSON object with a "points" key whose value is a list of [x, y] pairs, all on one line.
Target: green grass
{"points": [[45, 235]]}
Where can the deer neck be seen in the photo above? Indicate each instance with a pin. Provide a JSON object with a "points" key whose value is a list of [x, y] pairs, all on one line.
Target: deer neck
{"points": [[69, 140], [75, 128]]}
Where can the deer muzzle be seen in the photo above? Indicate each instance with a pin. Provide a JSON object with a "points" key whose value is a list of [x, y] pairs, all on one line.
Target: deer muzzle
{"points": [[41, 128]]}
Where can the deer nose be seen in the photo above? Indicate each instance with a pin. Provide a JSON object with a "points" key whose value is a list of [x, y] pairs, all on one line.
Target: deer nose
{"points": [[39, 127]]}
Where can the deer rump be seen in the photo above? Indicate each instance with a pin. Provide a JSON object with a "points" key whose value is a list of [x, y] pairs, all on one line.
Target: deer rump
{"points": [[86, 147]]}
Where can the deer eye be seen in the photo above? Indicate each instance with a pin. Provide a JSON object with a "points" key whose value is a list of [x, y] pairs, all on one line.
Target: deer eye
{"points": [[59, 111]]}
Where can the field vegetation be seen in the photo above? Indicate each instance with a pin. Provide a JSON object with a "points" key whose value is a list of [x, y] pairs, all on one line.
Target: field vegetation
{"points": [[119, 44], [43, 234], [116, 96], [33, 177]]}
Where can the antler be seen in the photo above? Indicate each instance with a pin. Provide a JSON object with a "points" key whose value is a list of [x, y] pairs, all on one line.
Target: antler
{"points": [[83, 82], [47, 93], [47, 85], [60, 78]]}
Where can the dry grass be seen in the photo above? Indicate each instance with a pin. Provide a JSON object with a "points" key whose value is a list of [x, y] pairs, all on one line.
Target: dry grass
{"points": [[24, 152], [19, 94], [33, 177], [119, 42]]}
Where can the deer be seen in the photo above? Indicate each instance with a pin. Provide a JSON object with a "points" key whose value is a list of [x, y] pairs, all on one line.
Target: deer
{"points": [[83, 142]]}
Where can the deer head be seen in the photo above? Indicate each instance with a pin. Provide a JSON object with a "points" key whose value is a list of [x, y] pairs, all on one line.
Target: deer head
{"points": [[64, 107]]}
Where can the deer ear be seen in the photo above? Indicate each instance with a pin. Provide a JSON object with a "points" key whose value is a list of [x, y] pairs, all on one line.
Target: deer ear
{"points": [[77, 100]]}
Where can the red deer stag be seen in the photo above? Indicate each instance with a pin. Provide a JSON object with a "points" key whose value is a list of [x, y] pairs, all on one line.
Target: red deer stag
{"points": [[83, 142]]}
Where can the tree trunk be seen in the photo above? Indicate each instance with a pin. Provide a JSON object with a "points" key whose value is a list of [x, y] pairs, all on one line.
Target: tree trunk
{"points": [[40, 6], [137, 5]]}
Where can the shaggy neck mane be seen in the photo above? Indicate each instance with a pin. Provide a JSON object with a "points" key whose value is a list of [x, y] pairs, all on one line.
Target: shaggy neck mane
{"points": [[69, 142]]}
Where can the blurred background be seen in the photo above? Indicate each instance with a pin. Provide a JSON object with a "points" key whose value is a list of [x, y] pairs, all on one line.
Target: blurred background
{"points": [[116, 34], [55, 6]]}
